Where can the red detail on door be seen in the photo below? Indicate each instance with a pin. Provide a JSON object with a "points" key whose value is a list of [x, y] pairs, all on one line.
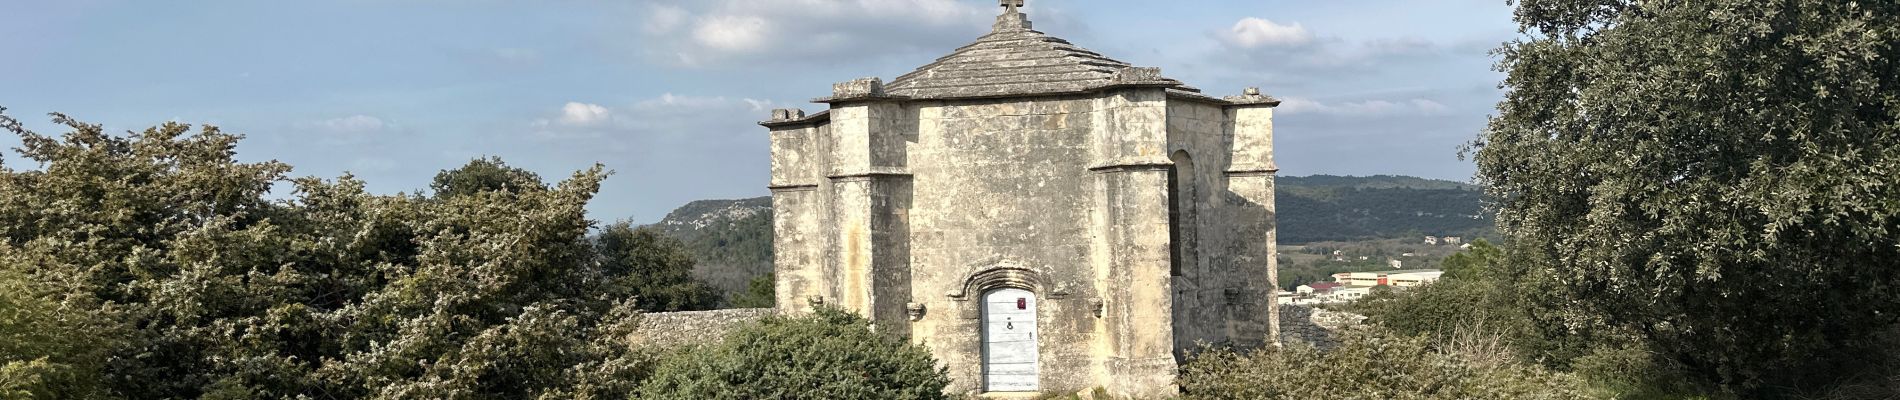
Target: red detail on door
{"points": [[1022, 303]]}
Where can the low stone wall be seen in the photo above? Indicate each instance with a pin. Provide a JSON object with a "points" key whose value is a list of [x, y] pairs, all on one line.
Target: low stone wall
{"points": [[1313, 325], [693, 328]]}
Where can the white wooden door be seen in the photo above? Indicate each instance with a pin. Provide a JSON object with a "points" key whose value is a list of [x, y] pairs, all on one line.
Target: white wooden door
{"points": [[1009, 341]]}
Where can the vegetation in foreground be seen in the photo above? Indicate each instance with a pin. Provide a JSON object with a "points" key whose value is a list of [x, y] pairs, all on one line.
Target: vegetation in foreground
{"points": [[1715, 182], [156, 265], [1698, 199], [831, 354], [1370, 364]]}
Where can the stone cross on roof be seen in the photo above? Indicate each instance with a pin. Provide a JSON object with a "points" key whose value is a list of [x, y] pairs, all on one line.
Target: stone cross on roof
{"points": [[1012, 4]]}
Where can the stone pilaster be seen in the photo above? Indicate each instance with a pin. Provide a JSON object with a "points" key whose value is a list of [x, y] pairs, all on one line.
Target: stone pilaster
{"points": [[1131, 166], [1250, 177], [798, 166], [870, 190]]}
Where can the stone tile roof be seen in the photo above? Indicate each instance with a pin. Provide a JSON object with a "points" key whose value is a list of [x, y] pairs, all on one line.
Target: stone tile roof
{"points": [[1014, 60]]}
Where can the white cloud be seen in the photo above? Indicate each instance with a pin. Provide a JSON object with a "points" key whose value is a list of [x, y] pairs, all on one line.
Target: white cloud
{"points": [[732, 33], [353, 124], [759, 105], [668, 115], [1429, 107], [662, 18], [1400, 46], [1294, 48], [348, 130], [737, 32], [1253, 32], [1362, 108], [583, 114]]}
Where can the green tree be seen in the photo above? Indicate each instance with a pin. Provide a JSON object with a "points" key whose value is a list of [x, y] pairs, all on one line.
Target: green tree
{"points": [[654, 269], [41, 356], [831, 354], [162, 255], [485, 175], [760, 293], [1721, 178]]}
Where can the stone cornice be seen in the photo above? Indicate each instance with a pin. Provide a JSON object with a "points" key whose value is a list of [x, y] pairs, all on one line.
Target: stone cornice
{"points": [[1252, 97], [790, 118], [1252, 172], [802, 187], [1131, 167], [838, 100], [864, 176]]}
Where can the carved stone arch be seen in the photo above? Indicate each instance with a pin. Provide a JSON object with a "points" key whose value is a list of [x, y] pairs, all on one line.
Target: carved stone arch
{"points": [[998, 274]]}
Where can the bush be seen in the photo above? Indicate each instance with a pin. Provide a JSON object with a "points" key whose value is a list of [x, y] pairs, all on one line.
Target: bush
{"points": [[1480, 297], [1630, 371], [1368, 364], [831, 354], [156, 265]]}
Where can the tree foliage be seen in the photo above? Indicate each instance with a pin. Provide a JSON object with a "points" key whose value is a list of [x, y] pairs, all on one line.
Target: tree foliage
{"points": [[162, 268], [655, 269], [1475, 291], [831, 354], [489, 174], [40, 356], [759, 293], [1721, 178]]}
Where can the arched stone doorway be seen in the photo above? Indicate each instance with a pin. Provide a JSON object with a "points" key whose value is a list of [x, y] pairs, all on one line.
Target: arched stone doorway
{"points": [[1010, 345]]}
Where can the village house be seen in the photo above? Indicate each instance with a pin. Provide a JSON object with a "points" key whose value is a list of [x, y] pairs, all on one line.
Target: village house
{"points": [[1396, 278], [1317, 288]]}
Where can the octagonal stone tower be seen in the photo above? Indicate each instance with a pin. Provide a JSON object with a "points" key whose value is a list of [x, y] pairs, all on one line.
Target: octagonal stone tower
{"points": [[1042, 217]]}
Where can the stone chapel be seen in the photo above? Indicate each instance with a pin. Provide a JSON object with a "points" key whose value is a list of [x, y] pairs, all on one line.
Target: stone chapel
{"points": [[1042, 217]]}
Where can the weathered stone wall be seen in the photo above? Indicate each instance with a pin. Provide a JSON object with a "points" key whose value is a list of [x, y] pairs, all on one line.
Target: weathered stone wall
{"points": [[1221, 294], [798, 210], [910, 210], [693, 328], [1002, 198], [1313, 325]]}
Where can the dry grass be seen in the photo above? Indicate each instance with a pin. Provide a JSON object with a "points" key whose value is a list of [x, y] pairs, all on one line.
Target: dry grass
{"points": [[1481, 345]]}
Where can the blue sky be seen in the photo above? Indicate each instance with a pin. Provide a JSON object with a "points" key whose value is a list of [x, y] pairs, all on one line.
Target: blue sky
{"points": [[666, 93]]}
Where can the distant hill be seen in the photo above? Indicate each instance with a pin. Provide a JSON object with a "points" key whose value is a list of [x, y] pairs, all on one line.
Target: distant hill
{"points": [[733, 238], [1371, 182], [1347, 208]]}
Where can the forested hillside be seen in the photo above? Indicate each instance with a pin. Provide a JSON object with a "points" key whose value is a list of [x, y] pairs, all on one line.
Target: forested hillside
{"points": [[731, 239], [1346, 208]]}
